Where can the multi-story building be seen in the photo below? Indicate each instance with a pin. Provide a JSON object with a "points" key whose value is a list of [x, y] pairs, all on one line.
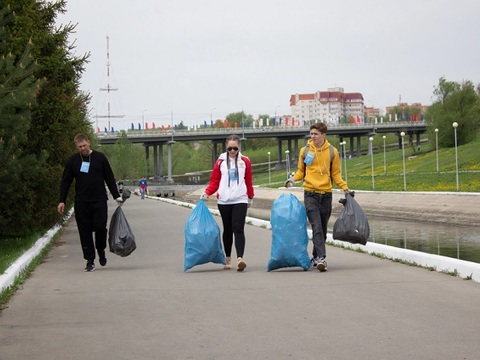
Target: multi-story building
{"points": [[331, 106], [371, 113]]}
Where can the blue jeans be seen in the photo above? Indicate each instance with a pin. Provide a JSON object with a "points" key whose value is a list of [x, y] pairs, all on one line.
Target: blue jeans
{"points": [[319, 209]]}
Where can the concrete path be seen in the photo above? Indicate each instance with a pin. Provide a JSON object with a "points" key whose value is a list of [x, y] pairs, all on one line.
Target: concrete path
{"points": [[145, 307]]}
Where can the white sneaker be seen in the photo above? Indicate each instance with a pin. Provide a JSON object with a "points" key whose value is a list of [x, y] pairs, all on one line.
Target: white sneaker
{"points": [[321, 265]]}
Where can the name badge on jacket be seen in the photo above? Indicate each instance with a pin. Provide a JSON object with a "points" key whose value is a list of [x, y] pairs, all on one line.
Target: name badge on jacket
{"points": [[85, 167]]}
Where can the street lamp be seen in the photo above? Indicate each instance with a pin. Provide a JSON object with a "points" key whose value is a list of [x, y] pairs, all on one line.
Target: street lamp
{"points": [[343, 143], [171, 115], [276, 122], [371, 156], [287, 163], [269, 176], [211, 115], [402, 134], [455, 125], [384, 156], [436, 146], [143, 119]]}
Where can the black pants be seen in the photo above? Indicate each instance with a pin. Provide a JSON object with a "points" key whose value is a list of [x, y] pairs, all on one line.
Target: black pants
{"points": [[233, 219], [92, 217], [319, 209]]}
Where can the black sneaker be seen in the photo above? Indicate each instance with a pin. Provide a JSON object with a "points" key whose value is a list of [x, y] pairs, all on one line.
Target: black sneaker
{"points": [[102, 258], [103, 261], [90, 266]]}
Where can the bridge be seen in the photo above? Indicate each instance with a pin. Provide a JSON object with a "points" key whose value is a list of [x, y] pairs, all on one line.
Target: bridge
{"points": [[156, 139]]}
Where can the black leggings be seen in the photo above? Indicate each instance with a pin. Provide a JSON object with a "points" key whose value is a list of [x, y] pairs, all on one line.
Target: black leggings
{"points": [[233, 219]]}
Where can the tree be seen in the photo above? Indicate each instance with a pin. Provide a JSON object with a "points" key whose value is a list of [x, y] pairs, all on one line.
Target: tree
{"points": [[127, 162], [239, 118], [57, 113], [18, 168], [454, 103]]}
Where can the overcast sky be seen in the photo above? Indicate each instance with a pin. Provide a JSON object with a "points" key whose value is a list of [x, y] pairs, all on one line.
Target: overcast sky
{"points": [[197, 58]]}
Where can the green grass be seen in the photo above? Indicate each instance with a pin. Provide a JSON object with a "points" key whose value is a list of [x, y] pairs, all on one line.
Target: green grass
{"points": [[420, 170], [12, 249]]}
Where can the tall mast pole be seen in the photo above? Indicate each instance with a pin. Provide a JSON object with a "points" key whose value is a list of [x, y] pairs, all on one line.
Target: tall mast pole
{"points": [[109, 89]]}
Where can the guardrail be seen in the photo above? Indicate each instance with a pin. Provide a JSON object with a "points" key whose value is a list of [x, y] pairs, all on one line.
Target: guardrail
{"points": [[264, 131]]}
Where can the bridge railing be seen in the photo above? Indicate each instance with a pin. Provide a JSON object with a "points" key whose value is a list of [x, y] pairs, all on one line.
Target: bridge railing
{"points": [[240, 130]]}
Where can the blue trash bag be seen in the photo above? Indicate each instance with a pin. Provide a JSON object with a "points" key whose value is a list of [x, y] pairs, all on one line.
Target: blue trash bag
{"points": [[352, 223], [202, 238], [289, 234]]}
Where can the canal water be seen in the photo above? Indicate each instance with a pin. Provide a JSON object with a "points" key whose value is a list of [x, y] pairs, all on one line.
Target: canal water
{"points": [[459, 242]]}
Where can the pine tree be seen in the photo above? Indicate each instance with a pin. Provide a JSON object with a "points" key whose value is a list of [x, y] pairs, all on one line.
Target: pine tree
{"points": [[17, 96]]}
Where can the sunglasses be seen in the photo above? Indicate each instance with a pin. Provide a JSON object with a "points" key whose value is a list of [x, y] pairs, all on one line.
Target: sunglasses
{"points": [[232, 148]]}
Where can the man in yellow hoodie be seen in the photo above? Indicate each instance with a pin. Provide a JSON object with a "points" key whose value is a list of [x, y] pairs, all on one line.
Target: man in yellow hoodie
{"points": [[318, 165]]}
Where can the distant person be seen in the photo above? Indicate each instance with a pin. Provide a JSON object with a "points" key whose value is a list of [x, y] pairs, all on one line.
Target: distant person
{"points": [[232, 179], [142, 185], [91, 171], [318, 165]]}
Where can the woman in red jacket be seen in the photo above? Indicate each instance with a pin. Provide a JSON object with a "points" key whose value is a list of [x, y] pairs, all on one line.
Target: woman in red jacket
{"points": [[232, 179]]}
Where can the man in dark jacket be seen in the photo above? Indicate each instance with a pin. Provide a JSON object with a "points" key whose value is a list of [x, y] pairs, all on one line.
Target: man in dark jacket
{"points": [[91, 171]]}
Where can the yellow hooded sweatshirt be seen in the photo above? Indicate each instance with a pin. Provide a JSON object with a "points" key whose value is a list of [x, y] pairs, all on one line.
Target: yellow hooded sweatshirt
{"points": [[316, 176]]}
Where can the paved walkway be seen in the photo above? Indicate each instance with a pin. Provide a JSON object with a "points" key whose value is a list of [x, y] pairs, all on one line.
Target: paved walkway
{"points": [[145, 307]]}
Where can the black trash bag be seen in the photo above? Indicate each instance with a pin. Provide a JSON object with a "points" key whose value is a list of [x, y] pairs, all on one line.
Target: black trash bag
{"points": [[352, 223], [121, 240]]}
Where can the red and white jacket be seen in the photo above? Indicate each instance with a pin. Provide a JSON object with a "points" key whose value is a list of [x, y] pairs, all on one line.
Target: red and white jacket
{"points": [[233, 185]]}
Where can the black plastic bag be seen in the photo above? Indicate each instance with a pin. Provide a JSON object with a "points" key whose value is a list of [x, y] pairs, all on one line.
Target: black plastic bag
{"points": [[202, 238], [352, 223], [289, 234], [121, 240]]}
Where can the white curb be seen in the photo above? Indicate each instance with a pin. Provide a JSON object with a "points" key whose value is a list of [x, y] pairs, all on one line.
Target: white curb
{"points": [[8, 278]]}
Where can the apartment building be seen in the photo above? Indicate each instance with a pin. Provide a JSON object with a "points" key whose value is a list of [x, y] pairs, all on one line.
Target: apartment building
{"points": [[331, 106]]}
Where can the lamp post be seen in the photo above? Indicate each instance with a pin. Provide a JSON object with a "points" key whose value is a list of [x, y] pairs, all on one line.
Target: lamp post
{"points": [[243, 127], [402, 134], [436, 146], [455, 125], [143, 119], [211, 115], [171, 115], [384, 156], [269, 175], [276, 122], [287, 163], [371, 156], [344, 143]]}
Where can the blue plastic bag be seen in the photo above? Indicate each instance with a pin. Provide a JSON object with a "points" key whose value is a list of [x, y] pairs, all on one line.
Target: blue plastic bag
{"points": [[202, 238], [289, 234]]}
